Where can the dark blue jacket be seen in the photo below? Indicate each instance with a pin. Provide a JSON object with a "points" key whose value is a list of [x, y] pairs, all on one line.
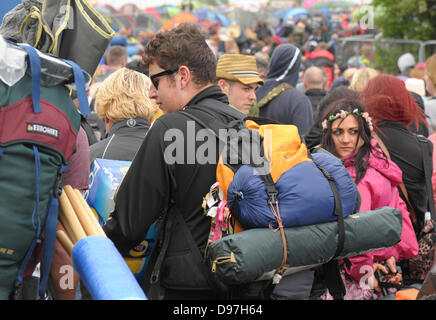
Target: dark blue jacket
{"points": [[291, 106]]}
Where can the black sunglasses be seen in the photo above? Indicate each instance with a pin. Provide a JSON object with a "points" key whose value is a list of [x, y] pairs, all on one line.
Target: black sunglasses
{"points": [[160, 74]]}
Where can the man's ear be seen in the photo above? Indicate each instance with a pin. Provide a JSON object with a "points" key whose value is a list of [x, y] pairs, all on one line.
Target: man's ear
{"points": [[185, 76], [224, 85]]}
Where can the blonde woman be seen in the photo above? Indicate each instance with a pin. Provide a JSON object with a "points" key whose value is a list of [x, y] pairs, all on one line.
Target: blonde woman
{"points": [[361, 77], [123, 102]]}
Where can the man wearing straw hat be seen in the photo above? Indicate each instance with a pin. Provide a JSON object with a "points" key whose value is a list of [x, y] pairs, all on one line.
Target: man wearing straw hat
{"points": [[238, 78], [171, 182]]}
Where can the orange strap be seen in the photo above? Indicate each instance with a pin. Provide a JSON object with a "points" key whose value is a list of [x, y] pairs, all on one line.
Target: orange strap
{"points": [[281, 269]]}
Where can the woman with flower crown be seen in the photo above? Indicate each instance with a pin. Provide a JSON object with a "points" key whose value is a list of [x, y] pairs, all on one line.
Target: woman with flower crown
{"points": [[347, 132]]}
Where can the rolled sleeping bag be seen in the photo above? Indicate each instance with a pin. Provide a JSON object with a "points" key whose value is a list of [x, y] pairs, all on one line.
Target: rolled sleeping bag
{"points": [[104, 271], [246, 256], [304, 194]]}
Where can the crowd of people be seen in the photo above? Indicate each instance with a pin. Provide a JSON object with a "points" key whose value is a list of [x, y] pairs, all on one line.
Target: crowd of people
{"points": [[289, 76]]}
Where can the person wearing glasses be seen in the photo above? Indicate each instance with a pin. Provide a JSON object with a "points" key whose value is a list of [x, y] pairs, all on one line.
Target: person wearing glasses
{"points": [[167, 177]]}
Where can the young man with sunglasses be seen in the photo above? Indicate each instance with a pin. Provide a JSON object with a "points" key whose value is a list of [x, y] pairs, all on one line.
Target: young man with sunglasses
{"points": [[182, 69]]}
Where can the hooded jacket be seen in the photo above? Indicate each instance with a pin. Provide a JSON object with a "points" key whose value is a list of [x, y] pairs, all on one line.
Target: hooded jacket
{"points": [[290, 106], [378, 188]]}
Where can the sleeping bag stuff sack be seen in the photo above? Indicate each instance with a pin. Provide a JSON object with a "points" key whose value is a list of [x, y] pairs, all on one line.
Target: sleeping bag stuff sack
{"points": [[246, 256], [304, 194]]}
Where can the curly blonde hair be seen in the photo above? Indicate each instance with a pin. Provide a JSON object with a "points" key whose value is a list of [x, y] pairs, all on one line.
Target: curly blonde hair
{"points": [[125, 95], [361, 77]]}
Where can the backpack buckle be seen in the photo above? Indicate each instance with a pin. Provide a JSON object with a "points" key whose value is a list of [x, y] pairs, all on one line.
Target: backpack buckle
{"points": [[57, 190], [272, 194]]}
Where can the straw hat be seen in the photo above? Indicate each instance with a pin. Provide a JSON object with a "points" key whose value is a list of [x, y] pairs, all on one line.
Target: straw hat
{"points": [[238, 67]]}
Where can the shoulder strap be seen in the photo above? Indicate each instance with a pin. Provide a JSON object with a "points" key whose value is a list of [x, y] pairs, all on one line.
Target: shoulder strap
{"points": [[219, 107], [199, 260], [273, 94], [35, 69], [79, 79]]}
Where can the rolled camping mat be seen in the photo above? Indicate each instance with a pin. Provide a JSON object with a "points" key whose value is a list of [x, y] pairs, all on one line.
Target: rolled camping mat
{"points": [[104, 271], [250, 255]]}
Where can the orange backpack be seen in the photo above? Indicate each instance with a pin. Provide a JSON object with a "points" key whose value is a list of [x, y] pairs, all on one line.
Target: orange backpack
{"points": [[283, 152]]}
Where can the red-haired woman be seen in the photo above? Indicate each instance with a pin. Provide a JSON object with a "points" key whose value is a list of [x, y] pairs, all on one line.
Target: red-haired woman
{"points": [[393, 110]]}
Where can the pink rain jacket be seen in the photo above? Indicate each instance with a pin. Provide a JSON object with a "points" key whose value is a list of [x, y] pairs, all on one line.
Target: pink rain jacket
{"points": [[378, 188]]}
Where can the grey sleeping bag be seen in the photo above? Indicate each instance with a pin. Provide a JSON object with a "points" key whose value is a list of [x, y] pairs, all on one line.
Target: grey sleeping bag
{"points": [[253, 254]]}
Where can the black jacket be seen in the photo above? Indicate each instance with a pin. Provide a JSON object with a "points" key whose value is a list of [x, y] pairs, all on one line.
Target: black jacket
{"points": [[122, 141], [315, 96], [154, 184], [406, 152]]}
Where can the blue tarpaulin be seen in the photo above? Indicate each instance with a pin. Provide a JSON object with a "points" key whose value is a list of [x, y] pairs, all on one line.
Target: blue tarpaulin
{"points": [[6, 6]]}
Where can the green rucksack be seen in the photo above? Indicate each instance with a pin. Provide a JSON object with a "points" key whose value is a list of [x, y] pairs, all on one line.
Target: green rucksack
{"points": [[38, 131]]}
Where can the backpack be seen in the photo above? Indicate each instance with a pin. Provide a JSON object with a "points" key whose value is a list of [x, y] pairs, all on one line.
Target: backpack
{"points": [[38, 129], [232, 159]]}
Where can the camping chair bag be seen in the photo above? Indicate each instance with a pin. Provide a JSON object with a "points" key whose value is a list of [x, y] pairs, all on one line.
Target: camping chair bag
{"points": [[246, 256]]}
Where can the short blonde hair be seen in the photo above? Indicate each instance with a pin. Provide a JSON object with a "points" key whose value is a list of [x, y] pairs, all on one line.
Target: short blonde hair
{"points": [[361, 77], [125, 95], [349, 72]]}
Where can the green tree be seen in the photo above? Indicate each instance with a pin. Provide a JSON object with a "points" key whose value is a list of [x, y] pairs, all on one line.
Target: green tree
{"points": [[400, 20], [406, 19]]}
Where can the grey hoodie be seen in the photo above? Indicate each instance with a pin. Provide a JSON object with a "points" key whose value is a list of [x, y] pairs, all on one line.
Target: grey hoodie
{"points": [[291, 106]]}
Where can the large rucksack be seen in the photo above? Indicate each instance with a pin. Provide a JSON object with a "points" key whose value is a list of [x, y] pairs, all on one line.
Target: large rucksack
{"points": [[39, 123], [233, 158]]}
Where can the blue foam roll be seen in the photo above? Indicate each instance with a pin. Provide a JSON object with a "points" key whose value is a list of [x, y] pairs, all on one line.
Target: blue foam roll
{"points": [[104, 271]]}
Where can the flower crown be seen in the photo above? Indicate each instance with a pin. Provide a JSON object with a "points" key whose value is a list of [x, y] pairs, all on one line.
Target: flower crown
{"points": [[343, 114]]}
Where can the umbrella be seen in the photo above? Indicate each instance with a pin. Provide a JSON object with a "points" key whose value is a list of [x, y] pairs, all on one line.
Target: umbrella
{"points": [[179, 18], [296, 13], [146, 21], [334, 4], [153, 12], [202, 13]]}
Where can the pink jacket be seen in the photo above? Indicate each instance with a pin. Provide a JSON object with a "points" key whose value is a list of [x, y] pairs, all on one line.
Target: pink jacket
{"points": [[378, 188]]}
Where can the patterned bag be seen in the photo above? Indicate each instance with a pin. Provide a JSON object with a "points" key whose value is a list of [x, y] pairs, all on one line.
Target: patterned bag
{"points": [[420, 264]]}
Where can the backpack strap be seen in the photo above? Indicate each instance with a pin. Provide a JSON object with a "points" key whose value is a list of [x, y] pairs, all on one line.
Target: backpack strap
{"points": [[51, 225], [35, 68], [273, 94], [153, 289], [199, 261], [79, 79]]}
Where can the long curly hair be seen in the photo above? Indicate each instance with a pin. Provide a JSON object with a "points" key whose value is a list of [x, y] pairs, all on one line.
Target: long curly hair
{"points": [[361, 157]]}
